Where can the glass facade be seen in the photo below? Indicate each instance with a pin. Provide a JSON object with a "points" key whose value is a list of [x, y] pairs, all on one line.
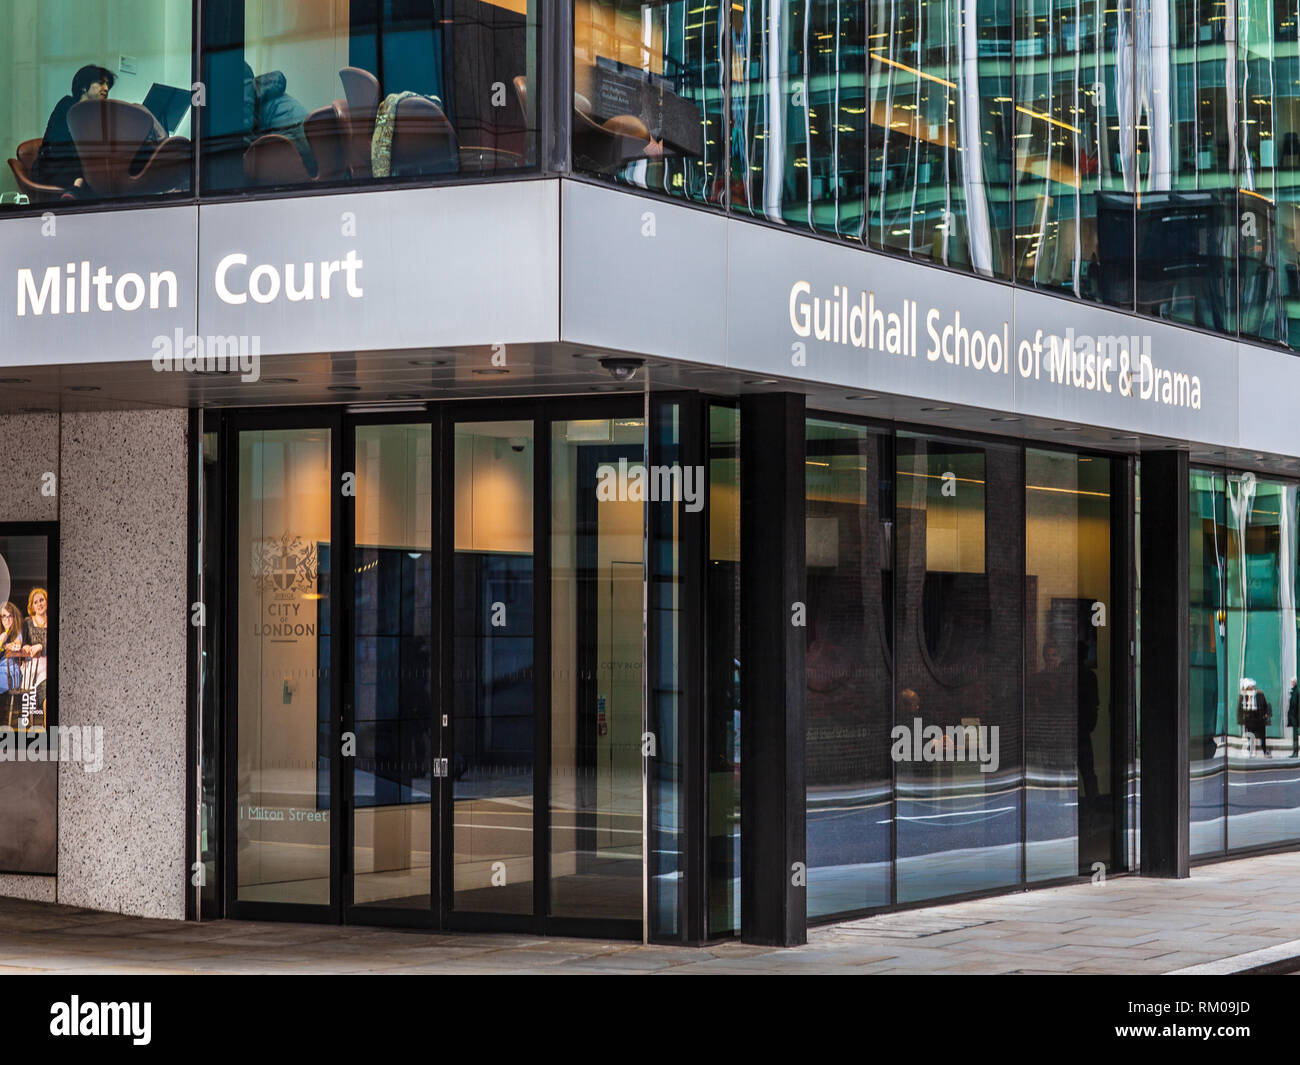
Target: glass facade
{"points": [[97, 100], [1244, 727], [960, 707], [109, 101], [359, 93], [1140, 156]]}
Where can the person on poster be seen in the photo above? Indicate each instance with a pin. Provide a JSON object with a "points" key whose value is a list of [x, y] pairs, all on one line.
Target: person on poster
{"points": [[11, 642], [36, 638]]}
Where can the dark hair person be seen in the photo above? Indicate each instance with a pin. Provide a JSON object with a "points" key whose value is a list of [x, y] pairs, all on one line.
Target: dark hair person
{"points": [[11, 627], [58, 163], [36, 637]]}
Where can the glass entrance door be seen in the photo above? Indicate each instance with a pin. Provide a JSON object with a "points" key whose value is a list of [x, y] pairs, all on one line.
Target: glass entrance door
{"points": [[390, 745], [437, 669], [283, 813]]}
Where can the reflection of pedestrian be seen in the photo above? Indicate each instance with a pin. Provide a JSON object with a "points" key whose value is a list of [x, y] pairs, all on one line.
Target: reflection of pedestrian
{"points": [[1253, 715], [1293, 718], [1089, 705]]}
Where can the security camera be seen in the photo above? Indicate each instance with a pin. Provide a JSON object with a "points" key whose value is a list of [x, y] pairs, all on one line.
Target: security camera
{"points": [[518, 443], [622, 369]]}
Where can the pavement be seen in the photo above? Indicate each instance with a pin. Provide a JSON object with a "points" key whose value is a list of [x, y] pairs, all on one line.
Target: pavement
{"points": [[1230, 917]]}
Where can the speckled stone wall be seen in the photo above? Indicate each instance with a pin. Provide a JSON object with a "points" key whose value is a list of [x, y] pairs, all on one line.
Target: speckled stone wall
{"points": [[123, 559], [121, 505], [30, 444]]}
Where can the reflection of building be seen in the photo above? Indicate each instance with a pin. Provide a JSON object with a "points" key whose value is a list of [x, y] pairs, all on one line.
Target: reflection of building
{"points": [[972, 314]]}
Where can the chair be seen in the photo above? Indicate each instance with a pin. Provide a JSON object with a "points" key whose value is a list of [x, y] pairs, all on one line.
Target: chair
{"points": [[109, 136], [24, 168], [424, 141], [273, 159], [361, 92], [604, 147]]}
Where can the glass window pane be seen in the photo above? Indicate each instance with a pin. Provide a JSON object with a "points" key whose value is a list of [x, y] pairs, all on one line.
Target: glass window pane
{"points": [[956, 740], [300, 94], [1260, 650], [597, 536], [1207, 551], [941, 111], [392, 666], [97, 100], [648, 94], [722, 657], [849, 516], [492, 667], [1069, 794], [1074, 219], [285, 722]]}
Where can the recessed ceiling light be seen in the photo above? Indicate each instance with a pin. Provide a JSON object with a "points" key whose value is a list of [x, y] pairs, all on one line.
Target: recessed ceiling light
{"points": [[860, 397], [15, 380], [936, 410], [342, 388], [1006, 418], [278, 381], [491, 370], [426, 362], [761, 381], [84, 388]]}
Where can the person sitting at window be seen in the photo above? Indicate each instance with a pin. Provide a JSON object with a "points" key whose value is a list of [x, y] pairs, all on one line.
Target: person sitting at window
{"points": [[57, 163], [268, 108]]}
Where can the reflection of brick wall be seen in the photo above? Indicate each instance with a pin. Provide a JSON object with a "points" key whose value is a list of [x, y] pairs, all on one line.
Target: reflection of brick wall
{"points": [[847, 712], [975, 670]]}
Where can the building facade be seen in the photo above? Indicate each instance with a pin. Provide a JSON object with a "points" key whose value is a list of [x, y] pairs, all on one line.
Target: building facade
{"points": [[670, 470]]}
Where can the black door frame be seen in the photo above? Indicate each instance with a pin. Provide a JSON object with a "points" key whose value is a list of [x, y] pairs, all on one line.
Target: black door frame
{"points": [[342, 424], [238, 422], [345, 782]]}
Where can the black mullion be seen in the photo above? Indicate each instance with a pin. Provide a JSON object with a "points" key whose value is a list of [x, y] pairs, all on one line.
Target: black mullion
{"points": [[343, 628], [340, 709], [440, 672], [542, 504], [1221, 478], [1022, 569], [891, 456], [692, 707], [193, 805], [229, 478], [1121, 656]]}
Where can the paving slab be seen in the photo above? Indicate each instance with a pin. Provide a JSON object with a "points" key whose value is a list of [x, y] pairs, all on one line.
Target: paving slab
{"points": [[1229, 917]]}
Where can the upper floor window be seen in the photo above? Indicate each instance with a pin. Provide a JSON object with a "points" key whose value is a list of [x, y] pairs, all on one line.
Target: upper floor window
{"points": [[649, 85], [97, 100], [368, 90]]}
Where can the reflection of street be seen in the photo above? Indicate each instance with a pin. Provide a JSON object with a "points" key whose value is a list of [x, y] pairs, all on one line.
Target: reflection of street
{"points": [[1263, 799], [948, 841]]}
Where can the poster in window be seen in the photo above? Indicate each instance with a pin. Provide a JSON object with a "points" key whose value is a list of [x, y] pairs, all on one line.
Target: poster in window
{"points": [[28, 702]]}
